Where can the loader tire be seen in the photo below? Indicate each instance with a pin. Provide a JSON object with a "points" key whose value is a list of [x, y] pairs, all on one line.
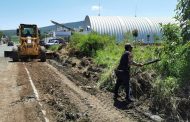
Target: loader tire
{"points": [[15, 56], [43, 56]]}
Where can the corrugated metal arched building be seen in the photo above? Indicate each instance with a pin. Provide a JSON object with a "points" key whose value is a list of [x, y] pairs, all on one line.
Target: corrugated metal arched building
{"points": [[118, 26]]}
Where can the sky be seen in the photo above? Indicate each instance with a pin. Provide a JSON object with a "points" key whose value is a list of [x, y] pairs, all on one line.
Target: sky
{"points": [[40, 12]]}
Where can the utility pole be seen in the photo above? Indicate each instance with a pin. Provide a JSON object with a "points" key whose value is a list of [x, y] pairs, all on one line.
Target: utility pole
{"points": [[136, 7], [136, 10], [99, 9]]}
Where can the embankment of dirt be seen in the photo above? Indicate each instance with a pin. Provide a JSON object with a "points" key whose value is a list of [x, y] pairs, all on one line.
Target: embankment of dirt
{"points": [[84, 73]]}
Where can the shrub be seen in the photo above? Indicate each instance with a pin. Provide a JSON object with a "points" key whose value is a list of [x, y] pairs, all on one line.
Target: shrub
{"points": [[166, 87], [173, 69], [89, 44], [54, 47], [174, 54], [171, 52], [185, 70]]}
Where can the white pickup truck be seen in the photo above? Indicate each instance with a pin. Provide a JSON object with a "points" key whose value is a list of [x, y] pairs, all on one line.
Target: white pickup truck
{"points": [[53, 42]]}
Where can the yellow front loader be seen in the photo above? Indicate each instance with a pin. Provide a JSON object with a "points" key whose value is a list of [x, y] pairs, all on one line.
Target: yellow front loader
{"points": [[29, 47]]}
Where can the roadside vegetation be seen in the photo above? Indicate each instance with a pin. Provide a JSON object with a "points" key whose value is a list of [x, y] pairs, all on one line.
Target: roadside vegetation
{"points": [[54, 47], [169, 78], [106, 53], [164, 84]]}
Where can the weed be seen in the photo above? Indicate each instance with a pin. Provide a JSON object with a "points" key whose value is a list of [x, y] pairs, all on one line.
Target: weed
{"points": [[54, 47]]}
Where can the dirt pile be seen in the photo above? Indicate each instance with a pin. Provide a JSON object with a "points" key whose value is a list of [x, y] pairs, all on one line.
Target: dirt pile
{"points": [[183, 108], [141, 84], [83, 72], [86, 73]]}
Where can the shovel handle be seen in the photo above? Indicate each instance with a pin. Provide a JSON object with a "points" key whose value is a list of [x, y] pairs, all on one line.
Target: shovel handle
{"points": [[153, 61]]}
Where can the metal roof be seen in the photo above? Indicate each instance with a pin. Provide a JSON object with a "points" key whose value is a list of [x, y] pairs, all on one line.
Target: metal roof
{"points": [[119, 25]]}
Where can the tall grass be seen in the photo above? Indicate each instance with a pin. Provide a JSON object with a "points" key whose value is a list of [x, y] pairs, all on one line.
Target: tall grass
{"points": [[109, 56]]}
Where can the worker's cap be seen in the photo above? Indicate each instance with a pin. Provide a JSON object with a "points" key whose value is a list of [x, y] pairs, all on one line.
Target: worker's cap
{"points": [[128, 45]]}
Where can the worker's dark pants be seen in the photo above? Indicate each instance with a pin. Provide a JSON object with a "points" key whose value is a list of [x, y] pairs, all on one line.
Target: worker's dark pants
{"points": [[123, 79]]}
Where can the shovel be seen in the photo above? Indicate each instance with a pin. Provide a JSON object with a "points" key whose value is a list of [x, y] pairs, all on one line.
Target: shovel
{"points": [[150, 62]]}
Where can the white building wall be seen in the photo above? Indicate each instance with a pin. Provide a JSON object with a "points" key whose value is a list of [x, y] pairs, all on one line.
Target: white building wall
{"points": [[119, 25]]}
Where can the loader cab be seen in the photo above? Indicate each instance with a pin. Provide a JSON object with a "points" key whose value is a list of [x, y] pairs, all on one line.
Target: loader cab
{"points": [[28, 31]]}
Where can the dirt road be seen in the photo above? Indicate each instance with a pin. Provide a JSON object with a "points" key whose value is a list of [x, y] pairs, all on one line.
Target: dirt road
{"points": [[62, 96], [17, 101], [35, 92], [3, 48]]}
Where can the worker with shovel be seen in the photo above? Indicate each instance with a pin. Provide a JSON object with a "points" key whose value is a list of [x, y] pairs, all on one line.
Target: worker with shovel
{"points": [[123, 72]]}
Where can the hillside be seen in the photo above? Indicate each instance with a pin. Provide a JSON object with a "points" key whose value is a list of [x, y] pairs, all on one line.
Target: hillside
{"points": [[47, 28]]}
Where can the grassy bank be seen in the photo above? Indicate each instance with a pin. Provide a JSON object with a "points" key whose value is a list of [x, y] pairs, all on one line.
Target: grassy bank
{"points": [[162, 80], [106, 53]]}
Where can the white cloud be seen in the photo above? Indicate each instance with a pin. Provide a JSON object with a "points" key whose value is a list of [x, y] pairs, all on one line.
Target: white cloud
{"points": [[96, 8]]}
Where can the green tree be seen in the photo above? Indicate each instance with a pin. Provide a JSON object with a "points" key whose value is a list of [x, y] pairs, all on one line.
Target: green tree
{"points": [[135, 33], [182, 15], [148, 38]]}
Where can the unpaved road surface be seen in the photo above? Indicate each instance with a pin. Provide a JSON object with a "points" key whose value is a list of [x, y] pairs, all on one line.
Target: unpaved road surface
{"points": [[17, 103], [35, 92], [54, 86], [3, 48]]}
